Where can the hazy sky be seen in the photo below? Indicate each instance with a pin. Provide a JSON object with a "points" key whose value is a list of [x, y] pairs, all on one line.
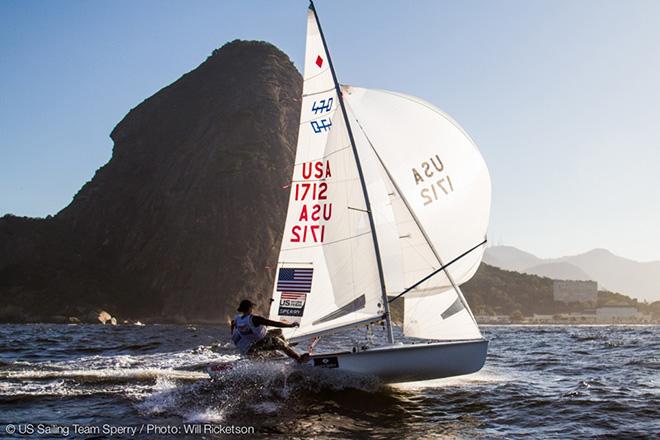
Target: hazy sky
{"points": [[562, 97]]}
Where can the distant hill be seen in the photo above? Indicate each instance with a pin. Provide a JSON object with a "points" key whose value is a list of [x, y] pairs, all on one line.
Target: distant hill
{"points": [[559, 271], [510, 258], [502, 292], [641, 280]]}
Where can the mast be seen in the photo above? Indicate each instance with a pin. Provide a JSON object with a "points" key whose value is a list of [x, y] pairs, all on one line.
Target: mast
{"points": [[372, 225]]}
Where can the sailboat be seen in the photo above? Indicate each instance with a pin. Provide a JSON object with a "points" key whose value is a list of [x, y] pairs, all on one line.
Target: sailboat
{"points": [[389, 201]]}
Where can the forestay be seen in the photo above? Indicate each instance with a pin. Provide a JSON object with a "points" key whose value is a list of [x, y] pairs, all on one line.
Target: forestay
{"points": [[439, 196], [327, 275]]}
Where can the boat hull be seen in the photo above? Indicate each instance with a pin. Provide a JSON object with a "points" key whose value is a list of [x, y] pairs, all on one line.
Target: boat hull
{"points": [[410, 362]]}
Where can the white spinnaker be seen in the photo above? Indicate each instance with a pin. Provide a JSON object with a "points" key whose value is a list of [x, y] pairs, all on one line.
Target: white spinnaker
{"points": [[443, 178], [412, 136], [327, 227]]}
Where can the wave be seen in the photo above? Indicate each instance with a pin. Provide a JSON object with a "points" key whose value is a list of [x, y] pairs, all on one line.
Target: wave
{"points": [[107, 375], [536, 383], [257, 386]]}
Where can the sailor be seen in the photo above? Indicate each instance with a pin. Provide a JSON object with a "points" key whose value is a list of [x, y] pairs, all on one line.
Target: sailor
{"points": [[249, 334]]}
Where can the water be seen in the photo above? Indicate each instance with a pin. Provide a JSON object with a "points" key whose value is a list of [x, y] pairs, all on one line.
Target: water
{"points": [[538, 382]]}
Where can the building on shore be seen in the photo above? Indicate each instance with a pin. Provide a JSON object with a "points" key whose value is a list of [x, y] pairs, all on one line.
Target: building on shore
{"points": [[575, 291], [493, 319], [618, 312], [543, 318]]}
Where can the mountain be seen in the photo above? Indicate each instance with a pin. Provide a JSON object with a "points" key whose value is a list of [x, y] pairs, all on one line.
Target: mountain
{"points": [[497, 291], [493, 290], [185, 218], [641, 280], [558, 271], [510, 258]]}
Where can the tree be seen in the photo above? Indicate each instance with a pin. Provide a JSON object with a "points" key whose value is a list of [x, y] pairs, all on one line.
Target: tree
{"points": [[516, 316]]}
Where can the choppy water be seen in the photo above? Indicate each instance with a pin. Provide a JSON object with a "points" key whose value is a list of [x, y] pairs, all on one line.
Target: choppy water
{"points": [[538, 382]]}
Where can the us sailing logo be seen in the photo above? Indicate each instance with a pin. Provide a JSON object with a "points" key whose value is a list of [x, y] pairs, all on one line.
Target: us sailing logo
{"points": [[293, 284]]}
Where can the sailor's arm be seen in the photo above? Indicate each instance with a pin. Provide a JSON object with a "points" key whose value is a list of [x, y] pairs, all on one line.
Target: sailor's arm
{"points": [[258, 320]]}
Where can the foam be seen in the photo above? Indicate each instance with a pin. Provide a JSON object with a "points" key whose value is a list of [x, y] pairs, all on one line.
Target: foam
{"points": [[484, 376], [103, 375]]}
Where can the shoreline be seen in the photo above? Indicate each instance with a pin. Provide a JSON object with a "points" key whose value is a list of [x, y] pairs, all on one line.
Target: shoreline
{"points": [[223, 324]]}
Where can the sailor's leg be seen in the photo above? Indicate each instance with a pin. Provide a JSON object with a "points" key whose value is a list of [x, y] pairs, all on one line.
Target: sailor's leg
{"points": [[275, 332], [284, 346]]}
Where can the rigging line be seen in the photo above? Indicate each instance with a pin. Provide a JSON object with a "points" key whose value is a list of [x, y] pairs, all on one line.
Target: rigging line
{"points": [[372, 225], [441, 268]]}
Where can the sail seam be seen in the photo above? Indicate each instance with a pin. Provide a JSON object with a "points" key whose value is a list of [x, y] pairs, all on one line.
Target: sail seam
{"points": [[324, 156], [318, 93], [318, 74], [433, 109], [323, 116], [324, 179], [329, 242]]}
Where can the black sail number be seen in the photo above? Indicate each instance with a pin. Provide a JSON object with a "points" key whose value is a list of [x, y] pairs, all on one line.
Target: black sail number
{"points": [[432, 179]]}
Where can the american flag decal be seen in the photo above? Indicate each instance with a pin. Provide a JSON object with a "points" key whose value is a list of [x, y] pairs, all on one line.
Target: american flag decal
{"points": [[295, 280]]}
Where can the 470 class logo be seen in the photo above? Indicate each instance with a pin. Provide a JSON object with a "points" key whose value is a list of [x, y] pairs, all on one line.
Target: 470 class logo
{"points": [[322, 106]]}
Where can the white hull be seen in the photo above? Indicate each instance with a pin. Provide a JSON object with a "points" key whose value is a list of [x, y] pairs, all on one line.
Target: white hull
{"points": [[410, 362]]}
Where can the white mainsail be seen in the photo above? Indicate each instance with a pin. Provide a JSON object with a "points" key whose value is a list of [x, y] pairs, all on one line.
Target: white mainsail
{"points": [[439, 190], [327, 275], [430, 199]]}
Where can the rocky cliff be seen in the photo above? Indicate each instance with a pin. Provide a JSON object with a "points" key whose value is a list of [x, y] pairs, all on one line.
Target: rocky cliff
{"points": [[186, 216]]}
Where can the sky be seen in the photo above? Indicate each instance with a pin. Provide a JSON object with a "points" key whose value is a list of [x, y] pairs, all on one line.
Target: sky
{"points": [[562, 97]]}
